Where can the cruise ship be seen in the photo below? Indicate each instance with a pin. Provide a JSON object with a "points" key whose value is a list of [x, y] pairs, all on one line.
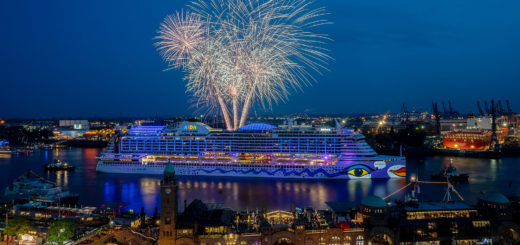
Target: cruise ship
{"points": [[254, 150]]}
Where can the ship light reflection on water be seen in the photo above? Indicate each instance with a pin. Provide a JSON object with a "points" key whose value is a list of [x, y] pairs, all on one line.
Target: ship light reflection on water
{"points": [[240, 193], [149, 188]]}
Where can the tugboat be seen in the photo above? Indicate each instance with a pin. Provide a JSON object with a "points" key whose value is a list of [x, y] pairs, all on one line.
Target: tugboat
{"points": [[450, 173], [58, 165]]}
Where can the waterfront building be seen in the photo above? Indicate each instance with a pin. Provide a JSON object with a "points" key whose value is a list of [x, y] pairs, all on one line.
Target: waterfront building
{"points": [[168, 231], [43, 213], [74, 124], [71, 129], [374, 221], [116, 235], [210, 224], [255, 150]]}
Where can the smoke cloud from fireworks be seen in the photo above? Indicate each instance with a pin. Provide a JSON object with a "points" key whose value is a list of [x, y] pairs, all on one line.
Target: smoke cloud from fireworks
{"points": [[238, 53]]}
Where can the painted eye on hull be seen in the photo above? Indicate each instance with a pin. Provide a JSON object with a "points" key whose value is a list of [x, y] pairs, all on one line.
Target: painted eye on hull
{"points": [[359, 170]]}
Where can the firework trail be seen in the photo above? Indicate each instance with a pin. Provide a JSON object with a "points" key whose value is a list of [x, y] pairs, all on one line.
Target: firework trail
{"points": [[236, 53]]}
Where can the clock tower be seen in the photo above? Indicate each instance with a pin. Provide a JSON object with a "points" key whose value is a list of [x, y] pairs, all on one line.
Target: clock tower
{"points": [[168, 234]]}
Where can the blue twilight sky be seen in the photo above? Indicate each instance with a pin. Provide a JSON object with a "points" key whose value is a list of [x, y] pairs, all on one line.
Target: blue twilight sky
{"points": [[62, 58]]}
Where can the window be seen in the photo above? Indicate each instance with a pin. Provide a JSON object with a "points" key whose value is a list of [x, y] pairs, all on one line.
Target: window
{"points": [[348, 239], [322, 241], [360, 240], [335, 240]]}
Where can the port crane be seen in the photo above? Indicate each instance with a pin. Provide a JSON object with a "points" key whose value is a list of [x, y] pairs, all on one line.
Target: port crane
{"points": [[449, 111], [444, 109], [452, 111], [405, 112], [435, 110], [500, 108], [494, 138], [487, 107], [480, 111], [509, 110]]}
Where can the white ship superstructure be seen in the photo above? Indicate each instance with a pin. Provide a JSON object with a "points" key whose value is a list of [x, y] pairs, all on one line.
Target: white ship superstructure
{"points": [[255, 150]]}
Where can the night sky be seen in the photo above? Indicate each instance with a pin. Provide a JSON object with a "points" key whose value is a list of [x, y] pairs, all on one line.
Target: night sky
{"points": [[97, 58]]}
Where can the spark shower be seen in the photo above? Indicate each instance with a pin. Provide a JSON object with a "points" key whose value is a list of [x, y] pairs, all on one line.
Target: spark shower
{"points": [[235, 53]]}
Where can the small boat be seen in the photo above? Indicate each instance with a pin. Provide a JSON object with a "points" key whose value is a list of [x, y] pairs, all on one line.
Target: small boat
{"points": [[58, 165], [4, 147], [450, 173], [31, 187]]}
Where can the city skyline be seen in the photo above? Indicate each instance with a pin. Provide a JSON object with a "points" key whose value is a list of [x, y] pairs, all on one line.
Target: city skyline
{"points": [[98, 59]]}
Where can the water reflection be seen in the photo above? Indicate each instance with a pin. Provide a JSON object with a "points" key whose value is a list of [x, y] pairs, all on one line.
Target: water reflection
{"points": [[258, 193], [62, 177], [150, 190], [241, 193], [5, 156], [109, 191]]}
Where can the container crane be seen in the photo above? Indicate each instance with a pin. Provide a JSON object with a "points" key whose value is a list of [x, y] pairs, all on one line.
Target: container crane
{"points": [[435, 110], [452, 111], [494, 138], [480, 108], [500, 108], [444, 109], [487, 107], [509, 110]]}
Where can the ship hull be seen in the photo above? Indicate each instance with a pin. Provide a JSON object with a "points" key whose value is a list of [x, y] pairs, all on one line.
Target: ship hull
{"points": [[343, 170]]}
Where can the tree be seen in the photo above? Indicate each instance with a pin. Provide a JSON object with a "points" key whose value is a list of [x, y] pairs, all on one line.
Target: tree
{"points": [[17, 226], [155, 215], [61, 231], [143, 218]]}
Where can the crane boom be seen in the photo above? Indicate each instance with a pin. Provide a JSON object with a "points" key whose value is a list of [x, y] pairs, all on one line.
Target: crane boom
{"points": [[480, 111], [487, 107], [444, 108], [509, 109]]}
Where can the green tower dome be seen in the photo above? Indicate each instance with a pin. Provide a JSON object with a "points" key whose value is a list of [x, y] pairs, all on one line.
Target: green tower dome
{"points": [[169, 168]]}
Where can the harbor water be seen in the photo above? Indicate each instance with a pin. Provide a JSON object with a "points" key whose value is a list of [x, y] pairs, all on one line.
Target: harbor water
{"points": [[136, 191]]}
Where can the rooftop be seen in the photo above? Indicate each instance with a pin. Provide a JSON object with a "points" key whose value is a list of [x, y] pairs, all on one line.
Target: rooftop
{"points": [[494, 197], [429, 206], [341, 207], [374, 201], [256, 127]]}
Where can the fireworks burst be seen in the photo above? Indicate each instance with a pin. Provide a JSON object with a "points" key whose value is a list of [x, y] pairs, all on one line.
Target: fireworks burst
{"points": [[180, 36], [236, 53]]}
